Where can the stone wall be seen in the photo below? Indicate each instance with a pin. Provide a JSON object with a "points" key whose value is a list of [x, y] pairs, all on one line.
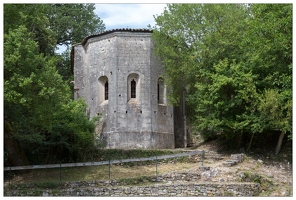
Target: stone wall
{"points": [[181, 189], [117, 58], [177, 189], [173, 184]]}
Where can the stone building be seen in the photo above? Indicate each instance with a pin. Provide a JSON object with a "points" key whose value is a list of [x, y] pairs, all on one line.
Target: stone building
{"points": [[118, 76]]}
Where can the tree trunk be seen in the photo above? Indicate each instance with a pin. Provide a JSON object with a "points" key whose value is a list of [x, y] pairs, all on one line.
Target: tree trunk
{"points": [[250, 142], [279, 144], [16, 156]]}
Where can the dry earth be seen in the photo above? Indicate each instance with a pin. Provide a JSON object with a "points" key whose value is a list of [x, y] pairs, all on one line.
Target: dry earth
{"points": [[273, 172]]}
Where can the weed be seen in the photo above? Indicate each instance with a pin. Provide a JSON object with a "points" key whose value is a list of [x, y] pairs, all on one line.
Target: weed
{"points": [[265, 184], [252, 177], [136, 181], [228, 193], [47, 185], [246, 158]]}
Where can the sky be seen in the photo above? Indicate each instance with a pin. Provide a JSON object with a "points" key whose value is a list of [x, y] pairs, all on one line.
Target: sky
{"points": [[128, 15]]}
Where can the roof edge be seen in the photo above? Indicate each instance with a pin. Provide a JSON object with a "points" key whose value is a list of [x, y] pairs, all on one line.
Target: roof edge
{"points": [[115, 30], [84, 41]]}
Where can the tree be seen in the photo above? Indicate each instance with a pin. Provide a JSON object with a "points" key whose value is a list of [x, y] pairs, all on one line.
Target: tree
{"points": [[33, 90], [73, 22], [272, 61], [192, 40], [55, 25], [228, 58], [13, 153], [41, 118], [33, 17]]}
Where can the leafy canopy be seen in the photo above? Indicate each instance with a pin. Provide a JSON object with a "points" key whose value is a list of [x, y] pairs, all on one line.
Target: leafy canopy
{"points": [[49, 125], [233, 60]]}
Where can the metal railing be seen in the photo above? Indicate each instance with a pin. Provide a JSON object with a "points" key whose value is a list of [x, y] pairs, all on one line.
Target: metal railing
{"points": [[197, 152], [155, 159]]}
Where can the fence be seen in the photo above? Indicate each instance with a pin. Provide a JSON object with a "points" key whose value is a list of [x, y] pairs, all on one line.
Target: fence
{"points": [[155, 159]]}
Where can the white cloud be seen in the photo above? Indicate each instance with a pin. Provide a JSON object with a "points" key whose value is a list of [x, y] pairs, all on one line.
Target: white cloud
{"points": [[128, 15]]}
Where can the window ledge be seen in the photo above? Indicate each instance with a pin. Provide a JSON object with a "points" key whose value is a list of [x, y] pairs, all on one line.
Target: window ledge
{"points": [[133, 101], [103, 103]]}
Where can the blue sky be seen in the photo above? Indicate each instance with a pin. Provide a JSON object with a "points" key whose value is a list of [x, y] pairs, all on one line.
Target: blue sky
{"points": [[128, 15]]}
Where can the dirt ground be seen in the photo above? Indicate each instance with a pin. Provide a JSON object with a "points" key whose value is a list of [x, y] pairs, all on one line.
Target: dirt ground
{"points": [[273, 172]]}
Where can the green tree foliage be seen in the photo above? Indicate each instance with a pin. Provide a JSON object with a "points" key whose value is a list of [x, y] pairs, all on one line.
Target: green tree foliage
{"points": [[235, 62], [54, 26], [270, 48], [72, 135], [73, 22], [42, 118], [33, 17]]}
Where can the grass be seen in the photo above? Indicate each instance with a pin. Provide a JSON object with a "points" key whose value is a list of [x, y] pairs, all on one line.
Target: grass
{"points": [[117, 171], [265, 184], [116, 154], [49, 178]]}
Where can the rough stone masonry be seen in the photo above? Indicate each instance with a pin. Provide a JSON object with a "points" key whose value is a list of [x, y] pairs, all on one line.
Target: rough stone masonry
{"points": [[120, 78]]}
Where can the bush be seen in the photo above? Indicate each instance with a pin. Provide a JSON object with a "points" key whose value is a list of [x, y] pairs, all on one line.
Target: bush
{"points": [[73, 133]]}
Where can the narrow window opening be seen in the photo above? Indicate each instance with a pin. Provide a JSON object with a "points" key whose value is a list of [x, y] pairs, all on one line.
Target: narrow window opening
{"points": [[133, 89], [160, 91], [106, 90], [103, 90]]}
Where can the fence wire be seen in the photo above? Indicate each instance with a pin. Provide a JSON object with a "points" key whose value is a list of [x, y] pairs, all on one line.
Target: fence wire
{"points": [[128, 170]]}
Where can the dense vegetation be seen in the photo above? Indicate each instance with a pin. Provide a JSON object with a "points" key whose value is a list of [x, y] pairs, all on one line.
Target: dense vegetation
{"points": [[43, 124], [234, 61]]}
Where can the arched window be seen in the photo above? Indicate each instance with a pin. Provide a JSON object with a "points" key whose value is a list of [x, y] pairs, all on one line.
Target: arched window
{"points": [[133, 88], [106, 90]]}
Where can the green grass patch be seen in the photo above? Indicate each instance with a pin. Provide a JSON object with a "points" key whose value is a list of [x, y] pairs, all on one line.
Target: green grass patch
{"points": [[265, 183], [50, 178], [117, 154], [47, 185], [141, 180]]}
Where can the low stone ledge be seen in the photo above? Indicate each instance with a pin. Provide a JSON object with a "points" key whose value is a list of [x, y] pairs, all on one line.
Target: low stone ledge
{"points": [[171, 184], [204, 168], [234, 160], [181, 189], [238, 157]]}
